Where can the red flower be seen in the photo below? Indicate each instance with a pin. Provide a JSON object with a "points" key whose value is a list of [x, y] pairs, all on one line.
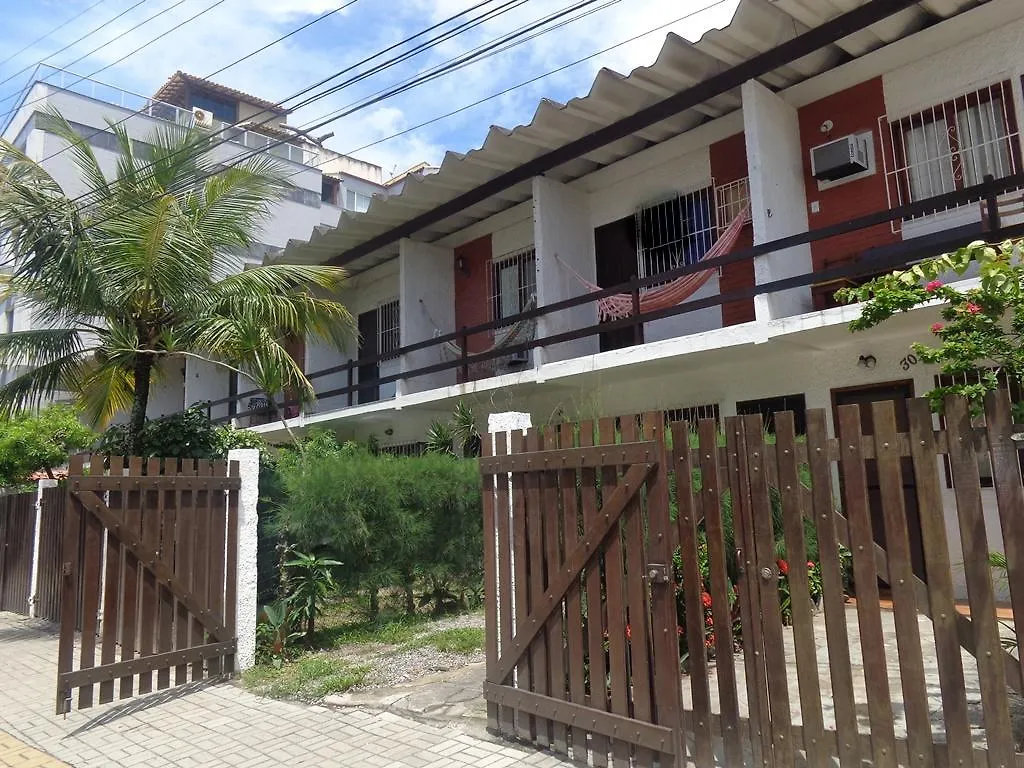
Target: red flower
{"points": [[973, 308], [709, 621], [810, 563], [937, 327], [629, 635], [705, 598], [783, 567], [710, 641], [679, 630], [933, 286]]}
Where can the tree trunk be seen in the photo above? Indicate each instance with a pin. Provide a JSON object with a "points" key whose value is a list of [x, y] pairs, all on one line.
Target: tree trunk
{"points": [[374, 603], [143, 374], [410, 598]]}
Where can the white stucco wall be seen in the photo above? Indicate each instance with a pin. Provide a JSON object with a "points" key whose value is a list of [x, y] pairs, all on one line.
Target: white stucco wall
{"points": [[427, 298], [562, 230], [248, 460], [167, 393], [777, 197]]}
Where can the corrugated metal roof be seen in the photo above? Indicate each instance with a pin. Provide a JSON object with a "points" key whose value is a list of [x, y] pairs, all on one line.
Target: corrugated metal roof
{"points": [[756, 27]]}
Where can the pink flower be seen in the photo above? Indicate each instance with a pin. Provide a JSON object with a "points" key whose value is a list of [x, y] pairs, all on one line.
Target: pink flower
{"points": [[810, 564], [937, 327], [933, 286], [973, 308]]}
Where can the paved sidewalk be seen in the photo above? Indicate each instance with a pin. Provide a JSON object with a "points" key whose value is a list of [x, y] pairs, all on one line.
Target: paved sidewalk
{"points": [[212, 725], [18, 754]]}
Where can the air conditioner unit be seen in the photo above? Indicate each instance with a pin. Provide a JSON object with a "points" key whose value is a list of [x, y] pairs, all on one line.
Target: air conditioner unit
{"points": [[202, 118], [519, 358], [840, 158]]}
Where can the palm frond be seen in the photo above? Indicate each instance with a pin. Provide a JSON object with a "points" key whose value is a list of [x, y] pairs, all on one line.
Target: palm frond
{"points": [[105, 389], [42, 384], [38, 347]]}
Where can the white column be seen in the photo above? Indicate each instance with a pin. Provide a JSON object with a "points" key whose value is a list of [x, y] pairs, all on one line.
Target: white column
{"points": [[562, 231], [34, 579], [426, 304], [778, 198], [246, 608]]}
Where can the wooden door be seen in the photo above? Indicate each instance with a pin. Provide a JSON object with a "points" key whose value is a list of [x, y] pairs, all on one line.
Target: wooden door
{"points": [[368, 348], [898, 392], [615, 254]]}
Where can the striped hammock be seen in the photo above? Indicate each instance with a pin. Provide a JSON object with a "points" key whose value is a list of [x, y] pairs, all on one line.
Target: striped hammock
{"points": [[620, 305], [509, 336]]}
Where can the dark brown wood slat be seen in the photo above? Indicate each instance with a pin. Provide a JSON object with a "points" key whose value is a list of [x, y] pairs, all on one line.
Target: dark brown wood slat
{"points": [[833, 602], [215, 589], [112, 586], [596, 621], [615, 598], [50, 539], [771, 616], [627, 452], [940, 583], [535, 587], [963, 459], [69, 590], [160, 482], [682, 463], [872, 643], [200, 560], [167, 511], [557, 675], [747, 590], [491, 586], [725, 664], [1010, 500], [901, 575], [575, 641], [231, 566], [647, 735], [524, 722], [132, 580], [638, 619], [149, 608], [146, 664], [668, 697], [505, 592], [92, 566], [793, 513], [184, 543]]}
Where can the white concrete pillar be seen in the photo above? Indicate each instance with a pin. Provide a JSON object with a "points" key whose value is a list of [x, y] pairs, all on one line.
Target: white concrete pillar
{"points": [[778, 199], [34, 579], [426, 304], [246, 608], [562, 229]]}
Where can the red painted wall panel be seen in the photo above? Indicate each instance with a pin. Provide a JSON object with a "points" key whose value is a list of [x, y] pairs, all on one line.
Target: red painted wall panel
{"points": [[729, 163], [471, 289]]}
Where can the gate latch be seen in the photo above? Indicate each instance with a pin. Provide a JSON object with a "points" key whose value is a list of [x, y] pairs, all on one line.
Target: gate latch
{"points": [[657, 573], [66, 569]]}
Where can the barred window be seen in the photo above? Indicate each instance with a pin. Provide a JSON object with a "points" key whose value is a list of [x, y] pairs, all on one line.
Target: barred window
{"points": [[512, 282], [675, 232], [693, 414], [388, 328]]}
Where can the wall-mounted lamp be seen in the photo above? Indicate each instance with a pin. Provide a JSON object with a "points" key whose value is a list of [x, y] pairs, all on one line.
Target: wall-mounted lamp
{"points": [[867, 361], [826, 127], [462, 266], [389, 431]]}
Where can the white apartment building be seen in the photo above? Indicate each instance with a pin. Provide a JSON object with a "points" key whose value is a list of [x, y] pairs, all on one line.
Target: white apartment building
{"points": [[863, 125], [325, 183]]}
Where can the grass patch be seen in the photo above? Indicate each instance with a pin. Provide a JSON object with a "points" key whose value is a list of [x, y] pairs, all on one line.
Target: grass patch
{"points": [[464, 640], [385, 630], [311, 677]]}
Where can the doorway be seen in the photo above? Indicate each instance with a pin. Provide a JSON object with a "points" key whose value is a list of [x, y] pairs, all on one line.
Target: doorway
{"points": [[368, 348], [898, 392], [615, 261]]}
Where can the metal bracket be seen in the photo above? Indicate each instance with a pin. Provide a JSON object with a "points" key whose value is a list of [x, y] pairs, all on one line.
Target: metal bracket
{"points": [[66, 569], [657, 573]]}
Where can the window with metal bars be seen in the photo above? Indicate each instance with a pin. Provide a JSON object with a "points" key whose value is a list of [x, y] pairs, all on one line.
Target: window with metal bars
{"points": [[675, 232], [388, 329], [405, 449], [512, 282], [769, 406], [731, 200], [692, 414]]}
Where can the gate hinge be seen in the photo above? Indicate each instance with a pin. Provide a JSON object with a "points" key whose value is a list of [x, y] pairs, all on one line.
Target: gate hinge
{"points": [[657, 573]]}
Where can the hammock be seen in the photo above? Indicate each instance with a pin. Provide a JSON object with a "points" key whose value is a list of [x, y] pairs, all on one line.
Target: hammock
{"points": [[509, 336], [620, 305]]}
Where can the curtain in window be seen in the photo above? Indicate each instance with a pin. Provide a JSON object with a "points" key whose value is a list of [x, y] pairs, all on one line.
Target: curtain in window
{"points": [[984, 148], [929, 159]]}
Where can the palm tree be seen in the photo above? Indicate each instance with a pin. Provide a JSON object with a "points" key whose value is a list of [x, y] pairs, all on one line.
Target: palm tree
{"points": [[142, 267]]}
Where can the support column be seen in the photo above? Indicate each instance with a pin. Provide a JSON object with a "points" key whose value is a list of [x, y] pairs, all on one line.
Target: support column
{"points": [[562, 229], [426, 305], [246, 606], [778, 198]]}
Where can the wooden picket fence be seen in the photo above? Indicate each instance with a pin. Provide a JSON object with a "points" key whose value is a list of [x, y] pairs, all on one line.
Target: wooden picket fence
{"points": [[585, 554]]}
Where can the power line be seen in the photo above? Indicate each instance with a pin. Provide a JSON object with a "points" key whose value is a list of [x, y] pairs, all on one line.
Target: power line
{"points": [[66, 47], [52, 32]]}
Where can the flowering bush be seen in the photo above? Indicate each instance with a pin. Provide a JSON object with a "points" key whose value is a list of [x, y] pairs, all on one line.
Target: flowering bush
{"points": [[982, 327], [786, 597]]}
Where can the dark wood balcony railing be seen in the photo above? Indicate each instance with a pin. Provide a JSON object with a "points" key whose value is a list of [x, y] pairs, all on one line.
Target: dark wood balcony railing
{"points": [[869, 263]]}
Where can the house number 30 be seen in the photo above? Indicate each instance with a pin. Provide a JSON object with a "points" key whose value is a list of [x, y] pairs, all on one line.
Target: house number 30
{"points": [[908, 361]]}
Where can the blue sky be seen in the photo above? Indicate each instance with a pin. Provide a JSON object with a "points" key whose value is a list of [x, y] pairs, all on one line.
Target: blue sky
{"points": [[237, 27]]}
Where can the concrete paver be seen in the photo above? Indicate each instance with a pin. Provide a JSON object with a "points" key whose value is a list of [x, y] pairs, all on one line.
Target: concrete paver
{"points": [[214, 725]]}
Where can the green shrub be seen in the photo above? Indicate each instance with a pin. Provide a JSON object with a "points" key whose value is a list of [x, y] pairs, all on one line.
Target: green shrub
{"points": [[38, 442]]}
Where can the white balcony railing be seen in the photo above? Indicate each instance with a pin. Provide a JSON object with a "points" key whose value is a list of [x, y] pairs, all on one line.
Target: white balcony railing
{"points": [[84, 86]]}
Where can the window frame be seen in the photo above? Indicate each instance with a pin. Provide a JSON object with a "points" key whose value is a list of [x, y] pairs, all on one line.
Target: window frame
{"points": [[389, 329], [746, 408], [524, 262], [680, 206]]}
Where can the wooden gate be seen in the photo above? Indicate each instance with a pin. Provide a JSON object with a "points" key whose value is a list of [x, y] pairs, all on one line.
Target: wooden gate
{"points": [[156, 575], [582, 647], [17, 535], [775, 666]]}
